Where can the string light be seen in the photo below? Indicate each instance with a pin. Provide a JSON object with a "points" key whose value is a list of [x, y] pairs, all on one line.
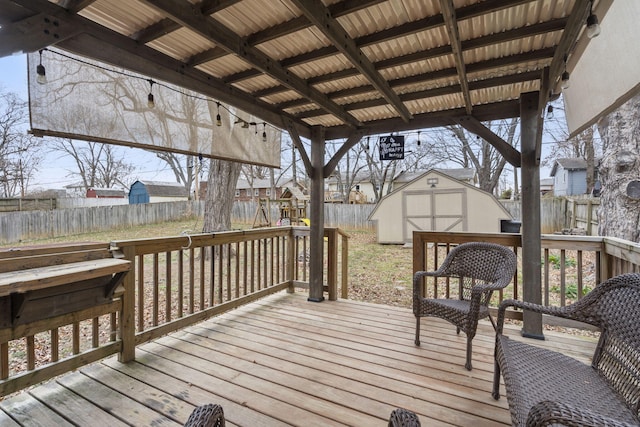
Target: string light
{"points": [[264, 132], [40, 70], [150, 101], [418, 143], [593, 27], [550, 112], [368, 147]]}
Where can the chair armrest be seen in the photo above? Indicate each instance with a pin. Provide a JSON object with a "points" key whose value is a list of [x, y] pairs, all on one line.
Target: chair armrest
{"points": [[417, 277], [536, 308], [547, 413]]}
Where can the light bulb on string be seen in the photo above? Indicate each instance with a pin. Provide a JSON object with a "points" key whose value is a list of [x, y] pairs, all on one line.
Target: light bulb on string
{"points": [[40, 71], [150, 102], [368, 147], [264, 132], [418, 143], [593, 27], [218, 118], [550, 112]]}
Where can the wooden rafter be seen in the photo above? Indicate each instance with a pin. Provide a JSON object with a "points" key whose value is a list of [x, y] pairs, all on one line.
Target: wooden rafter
{"points": [[405, 29], [315, 11], [527, 31], [451, 23], [427, 77], [191, 17]]}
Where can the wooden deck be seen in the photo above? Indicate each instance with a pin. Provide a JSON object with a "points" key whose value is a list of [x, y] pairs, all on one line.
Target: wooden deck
{"points": [[285, 361]]}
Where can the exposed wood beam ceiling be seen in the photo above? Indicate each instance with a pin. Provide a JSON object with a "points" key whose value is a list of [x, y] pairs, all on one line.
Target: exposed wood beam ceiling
{"points": [[353, 66]]}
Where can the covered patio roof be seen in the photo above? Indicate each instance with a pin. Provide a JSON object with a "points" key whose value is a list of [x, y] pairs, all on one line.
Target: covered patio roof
{"points": [[372, 65]]}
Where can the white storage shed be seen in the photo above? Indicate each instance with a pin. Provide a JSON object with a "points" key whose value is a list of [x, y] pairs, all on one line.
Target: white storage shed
{"points": [[435, 201]]}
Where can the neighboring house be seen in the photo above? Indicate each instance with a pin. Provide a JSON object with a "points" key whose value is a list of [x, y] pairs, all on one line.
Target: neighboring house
{"points": [[105, 193], [155, 191], [434, 201], [569, 177], [261, 188], [362, 190]]}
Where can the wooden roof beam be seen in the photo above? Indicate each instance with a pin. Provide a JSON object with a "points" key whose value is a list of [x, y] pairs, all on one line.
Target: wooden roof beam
{"points": [[315, 11], [191, 17], [577, 21], [473, 125], [168, 25], [451, 23]]}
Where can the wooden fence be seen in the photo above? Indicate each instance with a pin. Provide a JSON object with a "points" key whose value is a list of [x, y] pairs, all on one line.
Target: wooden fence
{"points": [[27, 204], [558, 213], [21, 226]]}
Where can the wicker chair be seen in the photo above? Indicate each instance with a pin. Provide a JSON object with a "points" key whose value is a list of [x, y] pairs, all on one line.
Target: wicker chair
{"points": [[480, 268], [544, 387], [403, 418], [206, 416]]}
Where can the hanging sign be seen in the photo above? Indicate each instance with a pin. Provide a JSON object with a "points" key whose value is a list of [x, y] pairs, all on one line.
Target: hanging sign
{"points": [[391, 147]]}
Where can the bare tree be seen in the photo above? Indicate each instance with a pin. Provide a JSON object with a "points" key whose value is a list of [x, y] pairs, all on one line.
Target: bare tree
{"points": [[456, 145], [20, 155], [221, 188], [619, 213], [98, 165]]}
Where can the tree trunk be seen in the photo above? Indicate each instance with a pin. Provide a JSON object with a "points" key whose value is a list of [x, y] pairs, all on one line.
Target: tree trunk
{"points": [[221, 188], [619, 213]]}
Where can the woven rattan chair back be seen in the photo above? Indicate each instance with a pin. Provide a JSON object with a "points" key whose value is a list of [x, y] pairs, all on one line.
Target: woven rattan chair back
{"points": [[480, 269]]}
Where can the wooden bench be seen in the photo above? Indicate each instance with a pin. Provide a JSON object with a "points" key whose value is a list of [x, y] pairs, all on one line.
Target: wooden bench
{"points": [[41, 282], [544, 387]]}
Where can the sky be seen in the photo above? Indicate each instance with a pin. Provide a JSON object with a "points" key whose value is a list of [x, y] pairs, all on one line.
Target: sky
{"points": [[55, 170]]}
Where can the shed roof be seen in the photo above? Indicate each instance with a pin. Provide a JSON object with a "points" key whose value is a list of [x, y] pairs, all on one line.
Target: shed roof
{"points": [[108, 192], [164, 189], [569, 164], [370, 65]]}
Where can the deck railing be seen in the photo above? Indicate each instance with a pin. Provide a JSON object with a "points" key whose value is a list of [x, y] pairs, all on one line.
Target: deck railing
{"points": [[174, 282], [571, 265]]}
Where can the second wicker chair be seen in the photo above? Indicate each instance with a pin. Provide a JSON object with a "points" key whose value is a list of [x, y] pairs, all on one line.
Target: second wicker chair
{"points": [[479, 268]]}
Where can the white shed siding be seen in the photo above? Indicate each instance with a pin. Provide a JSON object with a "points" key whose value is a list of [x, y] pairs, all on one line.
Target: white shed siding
{"points": [[445, 205]]}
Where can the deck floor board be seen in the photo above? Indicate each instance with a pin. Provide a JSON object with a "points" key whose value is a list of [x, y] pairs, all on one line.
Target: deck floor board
{"points": [[285, 361]]}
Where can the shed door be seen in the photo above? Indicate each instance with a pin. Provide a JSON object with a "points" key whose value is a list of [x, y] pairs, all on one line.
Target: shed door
{"points": [[434, 210]]}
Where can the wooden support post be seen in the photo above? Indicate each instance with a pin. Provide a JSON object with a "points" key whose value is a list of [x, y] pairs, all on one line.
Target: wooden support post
{"points": [[316, 245], [127, 315], [530, 111]]}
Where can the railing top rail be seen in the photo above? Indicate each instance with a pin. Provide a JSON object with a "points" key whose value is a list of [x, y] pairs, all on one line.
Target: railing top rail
{"points": [[186, 241]]}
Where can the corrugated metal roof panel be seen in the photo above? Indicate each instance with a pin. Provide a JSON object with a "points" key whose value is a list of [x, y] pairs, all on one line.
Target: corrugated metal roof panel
{"points": [[181, 44], [123, 16], [250, 16]]}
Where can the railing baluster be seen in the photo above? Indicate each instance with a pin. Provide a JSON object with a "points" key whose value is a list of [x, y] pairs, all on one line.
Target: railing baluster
{"points": [[4, 360], [55, 345], [180, 308], [547, 270], [156, 291], [31, 351], [140, 309], [563, 277], [579, 278], [203, 255], [192, 280], [167, 303], [95, 333]]}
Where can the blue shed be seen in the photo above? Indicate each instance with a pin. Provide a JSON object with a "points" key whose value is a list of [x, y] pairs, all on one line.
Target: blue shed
{"points": [[569, 177], [152, 192]]}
